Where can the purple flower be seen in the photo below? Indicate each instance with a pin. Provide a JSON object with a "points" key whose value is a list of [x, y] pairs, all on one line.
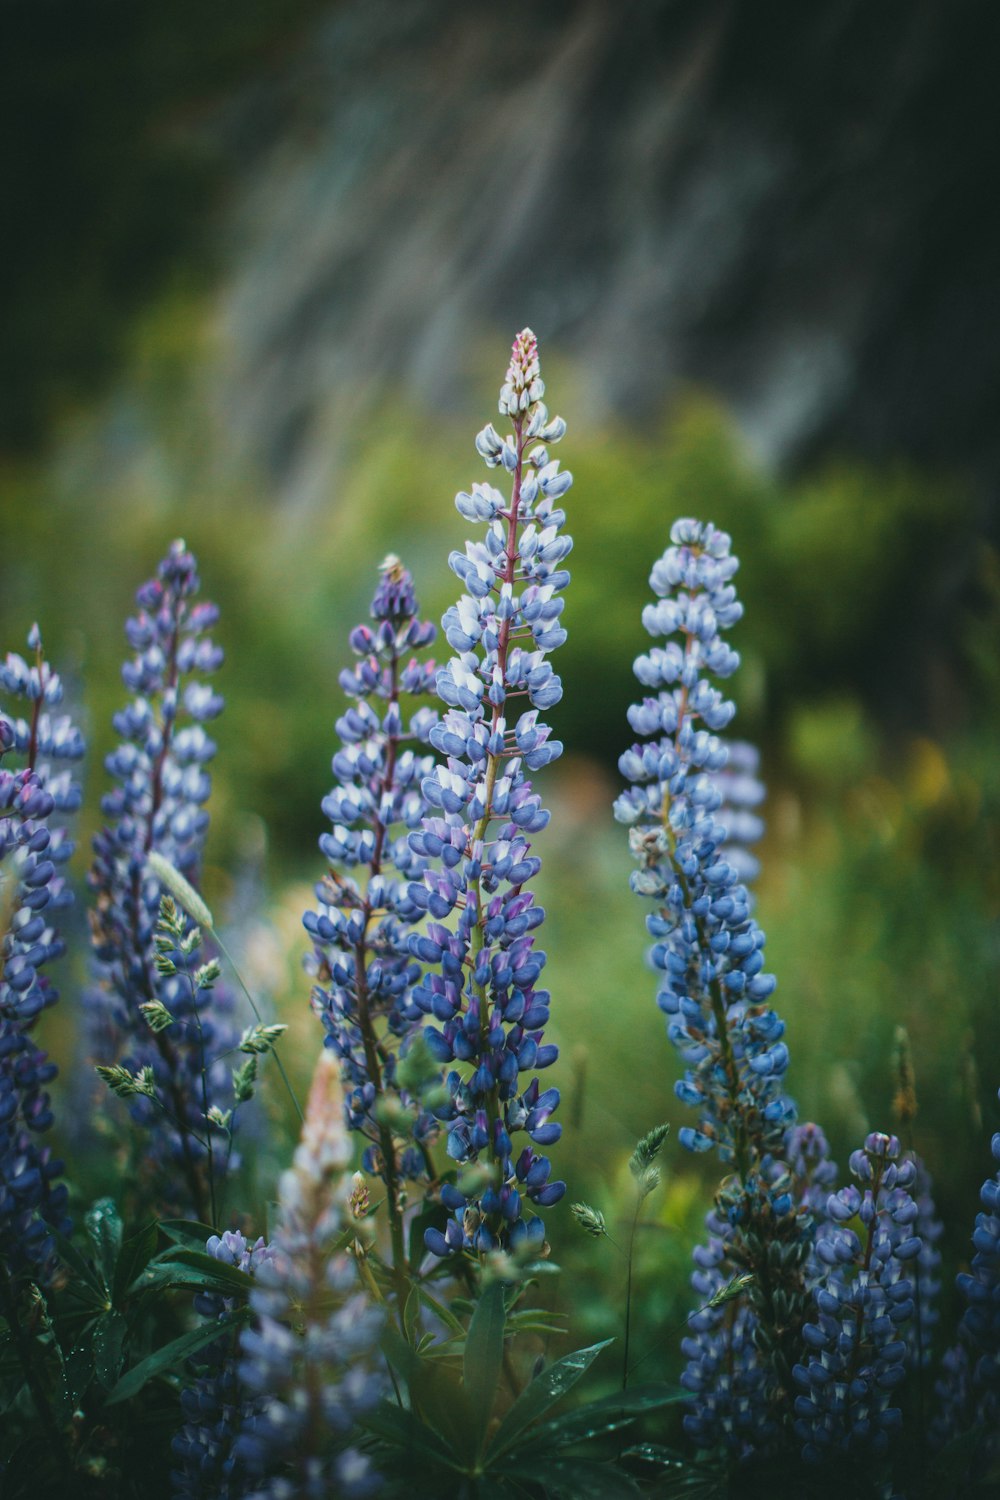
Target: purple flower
{"points": [[159, 806], [34, 846], [479, 992], [361, 961]]}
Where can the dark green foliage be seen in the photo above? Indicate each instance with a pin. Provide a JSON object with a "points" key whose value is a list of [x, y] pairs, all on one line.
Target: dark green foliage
{"points": [[109, 190], [90, 1371], [460, 1433]]}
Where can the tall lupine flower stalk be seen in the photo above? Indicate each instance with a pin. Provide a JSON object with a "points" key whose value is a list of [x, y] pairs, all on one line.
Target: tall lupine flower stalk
{"points": [[969, 1387], [708, 946], [857, 1349], [34, 791], [307, 1362], [480, 985], [154, 1020], [362, 964]]}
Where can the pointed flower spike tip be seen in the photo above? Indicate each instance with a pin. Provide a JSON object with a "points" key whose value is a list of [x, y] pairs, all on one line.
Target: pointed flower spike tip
{"points": [[324, 1146], [524, 366], [523, 386]]}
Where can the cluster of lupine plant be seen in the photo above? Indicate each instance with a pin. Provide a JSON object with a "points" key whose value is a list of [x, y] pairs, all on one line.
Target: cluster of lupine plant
{"points": [[382, 1328]]}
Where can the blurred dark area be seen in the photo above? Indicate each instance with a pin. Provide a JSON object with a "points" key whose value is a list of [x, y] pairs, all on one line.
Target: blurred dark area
{"points": [[107, 182], [792, 205], [262, 264]]}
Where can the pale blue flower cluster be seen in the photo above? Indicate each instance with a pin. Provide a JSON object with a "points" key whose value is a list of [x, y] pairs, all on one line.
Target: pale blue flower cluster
{"points": [[158, 806], [479, 989], [686, 812], [35, 789], [362, 963]]}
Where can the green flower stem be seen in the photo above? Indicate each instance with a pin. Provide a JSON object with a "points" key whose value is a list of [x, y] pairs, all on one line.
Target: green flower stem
{"points": [[260, 1020]]}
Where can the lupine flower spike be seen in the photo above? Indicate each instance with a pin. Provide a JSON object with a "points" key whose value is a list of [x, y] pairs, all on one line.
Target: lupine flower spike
{"points": [[308, 1361], [479, 988], [158, 1016], [708, 947], [690, 816], [34, 792], [361, 962], [857, 1351]]}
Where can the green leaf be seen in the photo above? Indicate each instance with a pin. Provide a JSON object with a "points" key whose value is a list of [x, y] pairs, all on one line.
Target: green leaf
{"points": [[110, 1335], [411, 1315], [405, 1431], [216, 1271], [133, 1258], [85, 1277], [173, 1354], [548, 1387], [448, 1318], [535, 1320], [438, 1394], [194, 1269], [484, 1356], [78, 1371], [187, 1232], [575, 1478], [656, 1454], [597, 1418]]}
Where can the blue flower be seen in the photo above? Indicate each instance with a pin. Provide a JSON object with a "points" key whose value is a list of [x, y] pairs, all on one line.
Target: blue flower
{"points": [[159, 805], [858, 1348], [362, 962], [733, 1404], [479, 992], [34, 846], [689, 818]]}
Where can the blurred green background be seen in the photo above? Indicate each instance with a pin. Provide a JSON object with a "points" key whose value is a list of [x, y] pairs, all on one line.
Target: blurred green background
{"points": [[869, 575]]}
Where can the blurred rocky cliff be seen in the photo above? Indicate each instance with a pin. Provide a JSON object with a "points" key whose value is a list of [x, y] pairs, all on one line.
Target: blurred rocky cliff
{"points": [[790, 204], [793, 205]]}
